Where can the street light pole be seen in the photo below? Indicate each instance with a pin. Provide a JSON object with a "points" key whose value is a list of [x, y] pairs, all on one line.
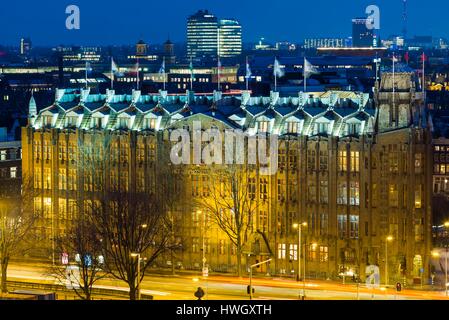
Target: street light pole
{"points": [[389, 238], [446, 224], [299, 226], [137, 284]]}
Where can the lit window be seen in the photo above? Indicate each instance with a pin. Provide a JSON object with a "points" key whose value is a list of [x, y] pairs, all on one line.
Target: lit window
{"points": [[13, 172]]}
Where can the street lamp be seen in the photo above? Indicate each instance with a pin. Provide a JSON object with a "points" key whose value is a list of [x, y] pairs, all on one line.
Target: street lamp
{"points": [[446, 225], [388, 239], [137, 255], [299, 227]]}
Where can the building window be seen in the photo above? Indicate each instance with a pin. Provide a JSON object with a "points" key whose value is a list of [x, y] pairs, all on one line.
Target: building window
{"points": [[195, 185], [62, 179], [394, 162], [324, 224], [72, 180], [293, 252], [418, 162], [418, 196], [150, 123], [262, 126], [263, 188], [393, 196], [47, 150], [221, 247], [97, 122], [311, 192], [355, 161], [13, 172], [342, 193], [3, 154], [352, 129], [311, 154], [354, 227], [263, 220], [282, 248], [323, 160], [321, 128], [342, 161], [195, 245], [354, 193], [123, 123], [252, 188], [292, 127], [47, 178], [374, 195], [324, 192], [342, 225], [313, 252], [292, 159], [71, 121], [324, 253]]}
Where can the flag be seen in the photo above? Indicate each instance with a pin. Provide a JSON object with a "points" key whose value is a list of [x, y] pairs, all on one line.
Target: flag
{"points": [[394, 59], [423, 57], [277, 70], [309, 69], [162, 69], [407, 57], [114, 67], [248, 71]]}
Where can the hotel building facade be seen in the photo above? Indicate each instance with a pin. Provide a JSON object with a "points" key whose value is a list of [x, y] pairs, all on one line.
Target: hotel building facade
{"points": [[358, 170]]}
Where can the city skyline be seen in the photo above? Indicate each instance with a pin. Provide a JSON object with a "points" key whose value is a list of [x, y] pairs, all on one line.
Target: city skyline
{"points": [[44, 23]]}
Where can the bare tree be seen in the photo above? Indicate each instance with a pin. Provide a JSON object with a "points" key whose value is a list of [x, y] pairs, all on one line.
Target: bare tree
{"points": [[136, 226], [16, 222], [82, 251], [232, 205]]}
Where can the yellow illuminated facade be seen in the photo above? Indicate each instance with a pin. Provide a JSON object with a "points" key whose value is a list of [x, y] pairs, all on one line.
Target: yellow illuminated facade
{"points": [[354, 174]]}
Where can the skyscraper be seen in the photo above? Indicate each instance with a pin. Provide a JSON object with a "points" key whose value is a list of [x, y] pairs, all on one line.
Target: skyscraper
{"points": [[202, 32], [25, 46], [362, 36], [229, 38]]}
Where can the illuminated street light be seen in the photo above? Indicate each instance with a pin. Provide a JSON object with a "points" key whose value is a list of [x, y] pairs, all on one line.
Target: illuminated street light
{"points": [[388, 239], [299, 227], [137, 255]]}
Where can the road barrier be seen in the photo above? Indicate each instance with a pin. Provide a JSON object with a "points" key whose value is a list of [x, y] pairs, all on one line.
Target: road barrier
{"points": [[123, 293]]}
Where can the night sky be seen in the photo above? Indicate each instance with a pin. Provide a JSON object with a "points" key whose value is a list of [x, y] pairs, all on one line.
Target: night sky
{"points": [[123, 22]]}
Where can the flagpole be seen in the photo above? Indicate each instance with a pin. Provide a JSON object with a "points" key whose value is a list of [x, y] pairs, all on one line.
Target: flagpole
{"points": [[304, 75], [85, 74], [423, 73], [394, 86], [191, 74], [246, 71], [112, 74], [137, 73], [218, 72], [164, 73]]}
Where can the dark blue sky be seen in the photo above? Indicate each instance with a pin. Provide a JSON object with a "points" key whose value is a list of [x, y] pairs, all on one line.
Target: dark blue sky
{"points": [[123, 22]]}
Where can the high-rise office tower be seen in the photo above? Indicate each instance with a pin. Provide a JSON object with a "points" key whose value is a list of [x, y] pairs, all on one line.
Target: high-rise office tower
{"points": [[229, 38], [362, 36], [25, 46], [202, 32]]}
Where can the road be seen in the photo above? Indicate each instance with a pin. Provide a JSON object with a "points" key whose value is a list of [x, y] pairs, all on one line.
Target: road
{"points": [[182, 287]]}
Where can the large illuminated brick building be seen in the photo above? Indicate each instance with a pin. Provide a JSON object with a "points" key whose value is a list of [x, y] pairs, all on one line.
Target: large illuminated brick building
{"points": [[356, 169]]}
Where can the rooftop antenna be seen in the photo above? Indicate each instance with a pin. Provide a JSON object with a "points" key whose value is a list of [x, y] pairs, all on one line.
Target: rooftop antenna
{"points": [[404, 18]]}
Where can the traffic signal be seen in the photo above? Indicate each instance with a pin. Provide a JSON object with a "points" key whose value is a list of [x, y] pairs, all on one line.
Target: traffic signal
{"points": [[248, 290], [398, 287]]}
